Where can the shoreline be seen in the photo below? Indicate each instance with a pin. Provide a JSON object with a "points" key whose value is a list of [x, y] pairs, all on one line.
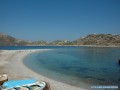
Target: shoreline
{"points": [[12, 64], [112, 46]]}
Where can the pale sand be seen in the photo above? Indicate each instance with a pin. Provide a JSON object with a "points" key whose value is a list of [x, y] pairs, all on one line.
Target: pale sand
{"points": [[11, 63]]}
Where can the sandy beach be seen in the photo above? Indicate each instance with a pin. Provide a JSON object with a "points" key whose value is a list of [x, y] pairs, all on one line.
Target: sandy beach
{"points": [[11, 63]]}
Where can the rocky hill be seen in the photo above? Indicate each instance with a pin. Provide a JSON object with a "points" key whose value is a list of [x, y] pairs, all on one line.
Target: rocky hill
{"points": [[91, 39], [99, 40], [6, 40]]}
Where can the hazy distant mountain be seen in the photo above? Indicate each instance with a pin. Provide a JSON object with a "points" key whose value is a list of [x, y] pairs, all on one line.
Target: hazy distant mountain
{"points": [[60, 42], [6, 40], [41, 42], [91, 39]]}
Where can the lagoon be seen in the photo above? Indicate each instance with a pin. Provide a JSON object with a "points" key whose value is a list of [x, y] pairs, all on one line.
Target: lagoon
{"points": [[78, 66]]}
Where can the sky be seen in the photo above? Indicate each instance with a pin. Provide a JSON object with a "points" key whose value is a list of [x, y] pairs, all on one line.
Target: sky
{"points": [[51, 20]]}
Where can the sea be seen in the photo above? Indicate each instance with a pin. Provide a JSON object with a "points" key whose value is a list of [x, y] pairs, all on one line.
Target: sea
{"points": [[75, 65]]}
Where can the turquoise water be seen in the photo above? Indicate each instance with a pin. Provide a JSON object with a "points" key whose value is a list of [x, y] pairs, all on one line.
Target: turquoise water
{"points": [[80, 66]]}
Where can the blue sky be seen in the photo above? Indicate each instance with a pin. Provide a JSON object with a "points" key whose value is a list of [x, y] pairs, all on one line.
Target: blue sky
{"points": [[58, 19]]}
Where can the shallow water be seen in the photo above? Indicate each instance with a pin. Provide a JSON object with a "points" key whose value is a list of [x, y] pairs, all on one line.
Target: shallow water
{"points": [[80, 66]]}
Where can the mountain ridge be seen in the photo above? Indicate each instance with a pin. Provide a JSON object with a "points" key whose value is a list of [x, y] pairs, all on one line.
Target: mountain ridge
{"points": [[90, 40]]}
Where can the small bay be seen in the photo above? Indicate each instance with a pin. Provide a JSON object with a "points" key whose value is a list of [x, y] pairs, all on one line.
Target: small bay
{"points": [[78, 66], [75, 65]]}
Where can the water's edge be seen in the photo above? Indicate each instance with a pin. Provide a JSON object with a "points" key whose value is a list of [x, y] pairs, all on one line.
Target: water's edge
{"points": [[77, 66], [47, 73]]}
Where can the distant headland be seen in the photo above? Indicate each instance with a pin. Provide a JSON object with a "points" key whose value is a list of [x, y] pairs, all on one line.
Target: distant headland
{"points": [[105, 40]]}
